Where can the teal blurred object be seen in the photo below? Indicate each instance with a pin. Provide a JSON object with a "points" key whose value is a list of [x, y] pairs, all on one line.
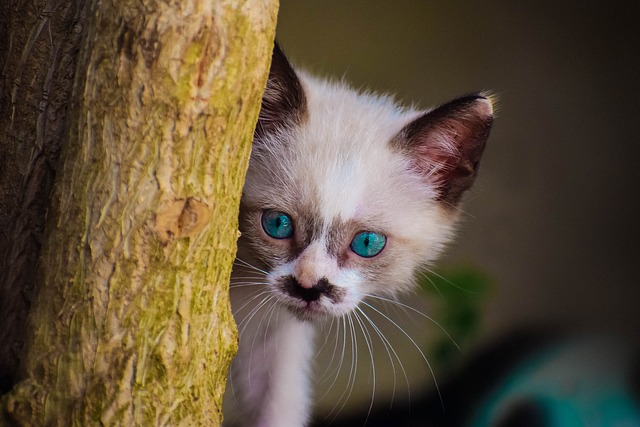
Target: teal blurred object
{"points": [[581, 383]]}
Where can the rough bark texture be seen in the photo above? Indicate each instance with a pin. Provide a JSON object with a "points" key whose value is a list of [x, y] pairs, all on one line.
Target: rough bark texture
{"points": [[38, 50], [130, 323]]}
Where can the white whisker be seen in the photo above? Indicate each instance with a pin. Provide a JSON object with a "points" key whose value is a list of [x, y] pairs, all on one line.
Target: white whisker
{"points": [[326, 336], [417, 347], [369, 343], [243, 324], [241, 263], [449, 282], [255, 295], [351, 381], [245, 284], [414, 310], [269, 311], [254, 277], [338, 369], [389, 349], [255, 335]]}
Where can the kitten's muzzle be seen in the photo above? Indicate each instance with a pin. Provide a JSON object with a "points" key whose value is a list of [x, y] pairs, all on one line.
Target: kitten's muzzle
{"points": [[293, 288]]}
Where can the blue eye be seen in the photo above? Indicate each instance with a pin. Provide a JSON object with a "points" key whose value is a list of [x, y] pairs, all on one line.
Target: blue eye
{"points": [[368, 244], [277, 224]]}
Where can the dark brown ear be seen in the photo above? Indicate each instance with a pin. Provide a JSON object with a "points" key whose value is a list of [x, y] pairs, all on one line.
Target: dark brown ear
{"points": [[445, 144], [283, 102]]}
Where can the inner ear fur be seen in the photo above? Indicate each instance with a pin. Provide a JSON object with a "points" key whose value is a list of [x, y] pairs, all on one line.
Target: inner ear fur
{"points": [[445, 144]]}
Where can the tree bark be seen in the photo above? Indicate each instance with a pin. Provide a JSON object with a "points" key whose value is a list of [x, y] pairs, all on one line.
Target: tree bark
{"points": [[38, 52], [130, 321]]}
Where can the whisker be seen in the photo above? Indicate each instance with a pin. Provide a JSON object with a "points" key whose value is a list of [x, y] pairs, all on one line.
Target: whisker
{"points": [[251, 298], [431, 281], [245, 284], [255, 335], [440, 276], [242, 326], [415, 345], [254, 277], [369, 343], [351, 381], [414, 310], [330, 365], [389, 349], [244, 263], [269, 311], [340, 363], [326, 336]]}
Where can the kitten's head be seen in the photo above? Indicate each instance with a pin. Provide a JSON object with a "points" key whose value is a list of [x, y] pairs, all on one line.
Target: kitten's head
{"points": [[347, 195]]}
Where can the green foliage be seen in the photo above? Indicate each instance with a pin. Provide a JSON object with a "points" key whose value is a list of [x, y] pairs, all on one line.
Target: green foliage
{"points": [[458, 295]]}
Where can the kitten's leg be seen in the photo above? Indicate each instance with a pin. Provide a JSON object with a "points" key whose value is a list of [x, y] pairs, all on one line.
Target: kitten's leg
{"points": [[288, 398], [271, 374]]}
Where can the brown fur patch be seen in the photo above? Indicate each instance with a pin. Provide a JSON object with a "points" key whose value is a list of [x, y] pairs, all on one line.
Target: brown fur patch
{"points": [[284, 103], [446, 144]]}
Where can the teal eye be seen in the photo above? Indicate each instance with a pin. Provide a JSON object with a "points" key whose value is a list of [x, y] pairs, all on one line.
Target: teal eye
{"points": [[277, 224], [368, 244]]}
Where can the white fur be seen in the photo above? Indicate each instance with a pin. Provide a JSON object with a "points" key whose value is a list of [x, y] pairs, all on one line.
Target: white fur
{"points": [[270, 381], [340, 163]]}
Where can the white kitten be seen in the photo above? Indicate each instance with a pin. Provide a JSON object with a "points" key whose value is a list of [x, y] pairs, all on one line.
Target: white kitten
{"points": [[347, 196]]}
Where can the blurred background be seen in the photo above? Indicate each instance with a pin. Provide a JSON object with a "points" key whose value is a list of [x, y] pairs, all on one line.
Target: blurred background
{"points": [[551, 227]]}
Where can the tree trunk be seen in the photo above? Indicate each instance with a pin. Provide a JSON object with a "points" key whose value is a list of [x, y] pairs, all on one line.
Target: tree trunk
{"points": [[38, 52], [129, 320]]}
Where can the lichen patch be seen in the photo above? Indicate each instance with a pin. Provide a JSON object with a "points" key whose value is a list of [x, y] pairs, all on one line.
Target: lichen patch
{"points": [[181, 218]]}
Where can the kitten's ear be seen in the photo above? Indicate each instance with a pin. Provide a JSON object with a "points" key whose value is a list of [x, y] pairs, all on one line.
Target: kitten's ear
{"points": [[283, 102], [445, 144]]}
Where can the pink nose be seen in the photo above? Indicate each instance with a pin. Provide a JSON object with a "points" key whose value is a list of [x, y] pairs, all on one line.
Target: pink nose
{"points": [[312, 264]]}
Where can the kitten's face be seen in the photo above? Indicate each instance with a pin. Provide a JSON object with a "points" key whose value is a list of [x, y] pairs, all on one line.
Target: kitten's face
{"points": [[346, 195]]}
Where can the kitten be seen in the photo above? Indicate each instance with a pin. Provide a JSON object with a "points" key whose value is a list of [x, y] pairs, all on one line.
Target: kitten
{"points": [[347, 196]]}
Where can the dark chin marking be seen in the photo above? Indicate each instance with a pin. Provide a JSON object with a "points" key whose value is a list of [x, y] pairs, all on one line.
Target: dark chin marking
{"points": [[308, 301], [323, 288]]}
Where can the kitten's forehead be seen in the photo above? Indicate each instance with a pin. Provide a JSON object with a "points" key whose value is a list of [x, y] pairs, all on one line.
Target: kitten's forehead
{"points": [[345, 160], [337, 173]]}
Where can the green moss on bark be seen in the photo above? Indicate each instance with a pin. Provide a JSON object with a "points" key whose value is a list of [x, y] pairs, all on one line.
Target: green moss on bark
{"points": [[133, 325]]}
